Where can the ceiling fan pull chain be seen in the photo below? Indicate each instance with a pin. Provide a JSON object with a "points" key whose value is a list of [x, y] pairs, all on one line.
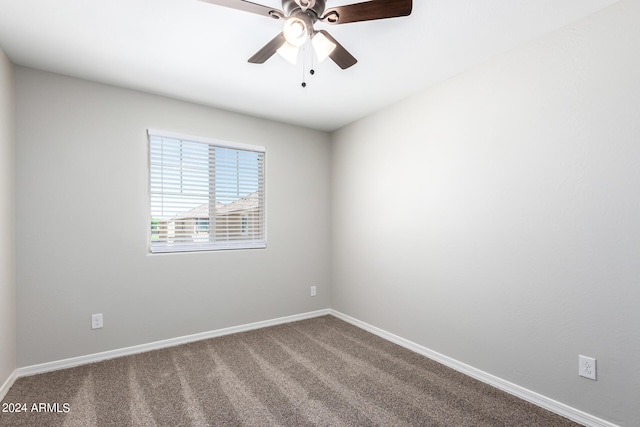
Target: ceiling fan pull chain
{"points": [[304, 63], [312, 71]]}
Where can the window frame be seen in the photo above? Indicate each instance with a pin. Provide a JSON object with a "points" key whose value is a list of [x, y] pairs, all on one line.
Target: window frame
{"points": [[223, 245]]}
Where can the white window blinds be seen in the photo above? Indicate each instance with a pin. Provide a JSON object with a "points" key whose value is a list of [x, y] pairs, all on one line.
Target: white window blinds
{"points": [[205, 194]]}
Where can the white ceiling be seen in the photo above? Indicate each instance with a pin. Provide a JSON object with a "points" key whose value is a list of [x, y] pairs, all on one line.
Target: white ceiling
{"points": [[198, 52]]}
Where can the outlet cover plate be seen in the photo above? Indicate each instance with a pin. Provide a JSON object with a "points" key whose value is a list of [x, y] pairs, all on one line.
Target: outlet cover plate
{"points": [[96, 321], [587, 367], [313, 291]]}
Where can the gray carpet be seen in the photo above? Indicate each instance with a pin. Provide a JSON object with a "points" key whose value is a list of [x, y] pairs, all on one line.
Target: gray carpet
{"points": [[321, 372]]}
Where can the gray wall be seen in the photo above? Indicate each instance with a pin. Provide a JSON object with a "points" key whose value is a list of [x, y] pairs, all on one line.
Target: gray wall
{"points": [[82, 219], [7, 251], [495, 218]]}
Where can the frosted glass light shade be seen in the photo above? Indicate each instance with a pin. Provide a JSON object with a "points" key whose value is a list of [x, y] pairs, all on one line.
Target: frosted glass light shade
{"points": [[322, 46], [289, 52]]}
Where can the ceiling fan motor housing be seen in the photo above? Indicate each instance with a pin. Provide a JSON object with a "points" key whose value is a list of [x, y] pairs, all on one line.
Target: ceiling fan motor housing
{"points": [[291, 7]]}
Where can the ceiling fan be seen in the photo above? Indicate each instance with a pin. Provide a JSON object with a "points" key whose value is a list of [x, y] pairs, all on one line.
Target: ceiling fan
{"points": [[301, 15]]}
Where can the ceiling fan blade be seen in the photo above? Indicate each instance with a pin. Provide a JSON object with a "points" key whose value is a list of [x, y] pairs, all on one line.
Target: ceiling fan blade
{"points": [[247, 6], [268, 50], [368, 11], [340, 55]]}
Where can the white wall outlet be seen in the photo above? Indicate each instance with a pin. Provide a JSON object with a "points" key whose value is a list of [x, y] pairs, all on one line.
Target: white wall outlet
{"points": [[96, 321], [313, 291], [587, 367]]}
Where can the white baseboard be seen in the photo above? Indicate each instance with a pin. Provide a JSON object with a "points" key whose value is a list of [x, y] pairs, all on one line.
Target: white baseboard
{"points": [[513, 389], [4, 389], [112, 354]]}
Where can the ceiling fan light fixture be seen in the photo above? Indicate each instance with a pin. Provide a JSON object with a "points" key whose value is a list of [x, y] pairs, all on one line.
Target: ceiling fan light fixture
{"points": [[295, 31], [322, 46], [289, 52], [300, 17]]}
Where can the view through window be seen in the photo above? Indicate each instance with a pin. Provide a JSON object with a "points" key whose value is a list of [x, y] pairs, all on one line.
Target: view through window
{"points": [[205, 194]]}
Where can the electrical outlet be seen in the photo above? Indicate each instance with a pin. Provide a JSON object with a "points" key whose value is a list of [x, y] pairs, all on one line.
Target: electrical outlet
{"points": [[313, 291], [96, 321], [587, 367]]}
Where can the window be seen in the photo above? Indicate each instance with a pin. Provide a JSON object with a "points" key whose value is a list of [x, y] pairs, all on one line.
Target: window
{"points": [[205, 194]]}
